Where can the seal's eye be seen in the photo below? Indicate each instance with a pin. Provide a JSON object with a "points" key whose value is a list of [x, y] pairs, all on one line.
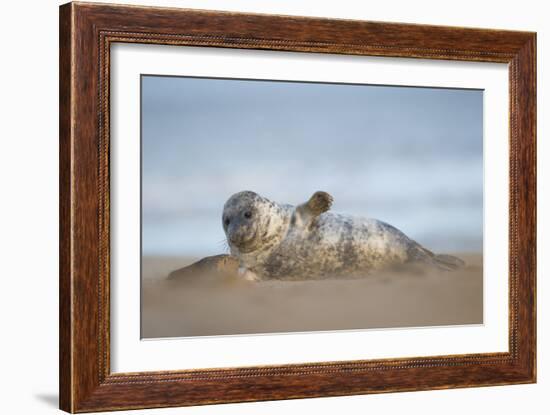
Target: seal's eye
{"points": [[226, 221], [248, 214]]}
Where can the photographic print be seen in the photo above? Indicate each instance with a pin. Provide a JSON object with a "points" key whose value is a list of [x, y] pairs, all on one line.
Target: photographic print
{"points": [[258, 207], [274, 206]]}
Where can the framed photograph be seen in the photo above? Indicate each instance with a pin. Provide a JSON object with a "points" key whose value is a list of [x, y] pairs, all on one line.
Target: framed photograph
{"points": [[259, 207]]}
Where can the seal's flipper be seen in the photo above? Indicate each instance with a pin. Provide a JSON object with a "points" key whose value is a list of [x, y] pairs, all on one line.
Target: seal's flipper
{"points": [[317, 204], [217, 264], [418, 254], [448, 262]]}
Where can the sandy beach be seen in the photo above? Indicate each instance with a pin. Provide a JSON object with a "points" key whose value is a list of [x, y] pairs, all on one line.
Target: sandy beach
{"points": [[206, 305]]}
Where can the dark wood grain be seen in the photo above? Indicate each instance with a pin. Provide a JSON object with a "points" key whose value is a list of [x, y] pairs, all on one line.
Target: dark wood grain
{"points": [[86, 33], [65, 138]]}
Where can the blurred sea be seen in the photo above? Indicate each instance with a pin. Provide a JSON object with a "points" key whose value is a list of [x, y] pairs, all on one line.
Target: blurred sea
{"points": [[412, 157]]}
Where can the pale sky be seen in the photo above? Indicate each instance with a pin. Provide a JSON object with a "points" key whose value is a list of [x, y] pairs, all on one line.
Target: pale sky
{"points": [[410, 156]]}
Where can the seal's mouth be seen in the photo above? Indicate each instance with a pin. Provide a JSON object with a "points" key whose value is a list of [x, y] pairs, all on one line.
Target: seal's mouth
{"points": [[247, 245]]}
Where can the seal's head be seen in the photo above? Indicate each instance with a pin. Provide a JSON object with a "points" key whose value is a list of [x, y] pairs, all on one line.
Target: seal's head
{"points": [[251, 222]]}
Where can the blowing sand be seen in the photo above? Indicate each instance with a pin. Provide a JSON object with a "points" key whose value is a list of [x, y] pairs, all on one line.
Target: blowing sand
{"points": [[208, 305]]}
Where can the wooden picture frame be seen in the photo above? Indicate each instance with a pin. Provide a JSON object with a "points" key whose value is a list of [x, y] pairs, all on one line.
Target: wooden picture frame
{"points": [[86, 33]]}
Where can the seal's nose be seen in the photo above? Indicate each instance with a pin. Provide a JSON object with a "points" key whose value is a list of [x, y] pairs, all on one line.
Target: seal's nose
{"points": [[239, 235]]}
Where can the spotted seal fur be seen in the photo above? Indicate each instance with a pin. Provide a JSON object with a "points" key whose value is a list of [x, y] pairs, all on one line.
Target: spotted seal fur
{"points": [[275, 241]]}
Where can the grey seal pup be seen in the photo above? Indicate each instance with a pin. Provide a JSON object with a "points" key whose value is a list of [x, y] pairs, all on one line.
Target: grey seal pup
{"points": [[275, 241]]}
